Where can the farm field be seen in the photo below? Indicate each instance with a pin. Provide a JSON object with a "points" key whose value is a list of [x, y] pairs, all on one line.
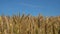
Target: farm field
{"points": [[27, 24]]}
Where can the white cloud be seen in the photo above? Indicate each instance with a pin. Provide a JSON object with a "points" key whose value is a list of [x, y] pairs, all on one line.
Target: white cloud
{"points": [[30, 5]]}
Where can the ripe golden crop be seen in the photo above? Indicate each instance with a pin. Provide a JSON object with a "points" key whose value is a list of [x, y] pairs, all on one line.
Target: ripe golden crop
{"points": [[29, 25]]}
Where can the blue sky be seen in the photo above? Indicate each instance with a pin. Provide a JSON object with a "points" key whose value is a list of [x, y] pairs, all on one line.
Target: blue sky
{"points": [[33, 7]]}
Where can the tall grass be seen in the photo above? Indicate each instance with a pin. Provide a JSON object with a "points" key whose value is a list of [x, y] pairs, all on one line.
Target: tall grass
{"points": [[29, 24]]}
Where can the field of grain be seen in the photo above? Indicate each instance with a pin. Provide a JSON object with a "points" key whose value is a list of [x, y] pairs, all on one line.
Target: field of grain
{"points": [[27, 24]]}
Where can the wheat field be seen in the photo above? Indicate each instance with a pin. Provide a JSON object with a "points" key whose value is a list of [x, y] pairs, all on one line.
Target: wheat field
{"points": [[27, 24]]}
